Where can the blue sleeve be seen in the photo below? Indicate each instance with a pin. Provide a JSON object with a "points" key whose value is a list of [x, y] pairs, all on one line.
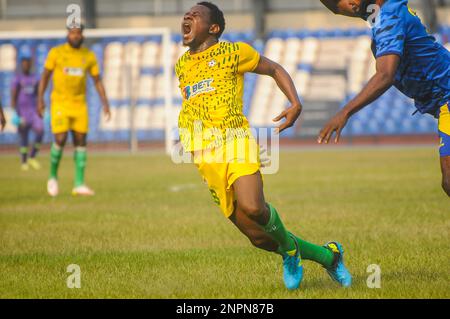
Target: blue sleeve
{"points": [[389, 35]]}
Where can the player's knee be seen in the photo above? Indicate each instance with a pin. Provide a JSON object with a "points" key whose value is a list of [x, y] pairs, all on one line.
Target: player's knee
{"points": [[253, 210], [79, 141], [60, 143]]}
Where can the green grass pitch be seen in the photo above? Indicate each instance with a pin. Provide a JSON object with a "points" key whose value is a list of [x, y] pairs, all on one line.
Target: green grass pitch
{"points": [[152, 230]]}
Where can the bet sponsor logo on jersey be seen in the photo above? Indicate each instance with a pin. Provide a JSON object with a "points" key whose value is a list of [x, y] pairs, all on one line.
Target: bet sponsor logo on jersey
{"points": [[73, 71], [203, 86]]}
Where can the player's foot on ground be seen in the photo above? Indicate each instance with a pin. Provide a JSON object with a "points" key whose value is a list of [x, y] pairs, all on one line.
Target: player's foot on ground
{"points": [[34, 163], [24, 167], [338, 272], [292, 269], [83, 190], [52, 187]]}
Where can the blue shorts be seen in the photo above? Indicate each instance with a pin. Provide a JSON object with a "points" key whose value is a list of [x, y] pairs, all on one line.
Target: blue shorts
{"points": [[444, 131]]}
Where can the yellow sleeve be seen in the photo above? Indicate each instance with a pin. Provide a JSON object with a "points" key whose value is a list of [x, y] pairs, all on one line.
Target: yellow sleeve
{"points": [[50, 62], [94, 70], [248, 58]]}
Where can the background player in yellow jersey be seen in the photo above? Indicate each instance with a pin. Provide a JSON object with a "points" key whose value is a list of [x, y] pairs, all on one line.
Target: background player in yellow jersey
{"points": [[70, 63], [211, 75]]}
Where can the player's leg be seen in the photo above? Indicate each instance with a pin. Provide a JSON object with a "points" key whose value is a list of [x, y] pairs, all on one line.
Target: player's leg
{"points": [[60, 127], [248, 190], [444, 148], [253, 231], [250, 202], [23, 130], [80, 157], [38, 129], [237, 190], [56, 152], [79, 127]]}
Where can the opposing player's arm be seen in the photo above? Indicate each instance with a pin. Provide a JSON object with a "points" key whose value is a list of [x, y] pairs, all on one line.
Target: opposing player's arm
{"points": [[284, 81], [383, 79], [102, 93], [43, 83]]}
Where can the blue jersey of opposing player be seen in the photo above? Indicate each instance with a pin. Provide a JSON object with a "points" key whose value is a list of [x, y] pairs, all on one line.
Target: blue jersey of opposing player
{"points": [[424, 70]]}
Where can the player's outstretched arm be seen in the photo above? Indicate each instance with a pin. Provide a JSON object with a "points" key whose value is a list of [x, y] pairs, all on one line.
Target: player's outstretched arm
{"points": [[101, 92], [286, 85], [43, 83], [382, 80]]}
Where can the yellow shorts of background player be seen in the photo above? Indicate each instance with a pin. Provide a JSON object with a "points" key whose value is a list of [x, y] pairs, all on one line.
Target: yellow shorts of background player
{"points": [[73, 118], [221, 174]]}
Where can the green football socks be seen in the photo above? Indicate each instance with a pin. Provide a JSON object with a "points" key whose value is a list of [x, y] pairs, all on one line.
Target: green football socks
{"points": [[79, 158], [316, 253], [55, 158], [285, 239], [80, 164], [278, 232]]}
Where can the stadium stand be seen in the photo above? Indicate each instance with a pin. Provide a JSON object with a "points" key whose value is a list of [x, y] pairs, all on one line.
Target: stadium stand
{"points": [[328, 67]]}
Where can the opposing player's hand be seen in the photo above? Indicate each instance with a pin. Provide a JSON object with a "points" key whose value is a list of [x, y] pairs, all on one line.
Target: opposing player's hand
{"points": [[107, 112], [41, 108], [336, 124], [291, 114]]}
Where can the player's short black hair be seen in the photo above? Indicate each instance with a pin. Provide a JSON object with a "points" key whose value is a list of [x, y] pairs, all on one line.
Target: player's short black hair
{"points": [[216, 15]]}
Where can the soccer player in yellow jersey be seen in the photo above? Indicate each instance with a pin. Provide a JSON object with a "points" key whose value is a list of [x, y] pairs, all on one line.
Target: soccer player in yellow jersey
{"points": [[70, 63], [211, 76]]}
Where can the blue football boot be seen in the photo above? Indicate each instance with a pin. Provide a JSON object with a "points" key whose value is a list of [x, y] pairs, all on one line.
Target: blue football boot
{"points": [[338, 272], [292, 269]]}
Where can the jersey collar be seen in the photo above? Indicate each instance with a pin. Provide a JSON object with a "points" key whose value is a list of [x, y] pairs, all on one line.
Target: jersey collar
{"points": [[202, 55], [67, 46]]}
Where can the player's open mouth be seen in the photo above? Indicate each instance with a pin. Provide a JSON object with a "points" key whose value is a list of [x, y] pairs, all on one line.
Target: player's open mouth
{"points": [[187, 28]]}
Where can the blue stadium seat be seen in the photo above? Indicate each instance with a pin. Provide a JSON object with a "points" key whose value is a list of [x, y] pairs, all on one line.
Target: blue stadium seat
{"points": [[356, 127], [389, 126]]}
